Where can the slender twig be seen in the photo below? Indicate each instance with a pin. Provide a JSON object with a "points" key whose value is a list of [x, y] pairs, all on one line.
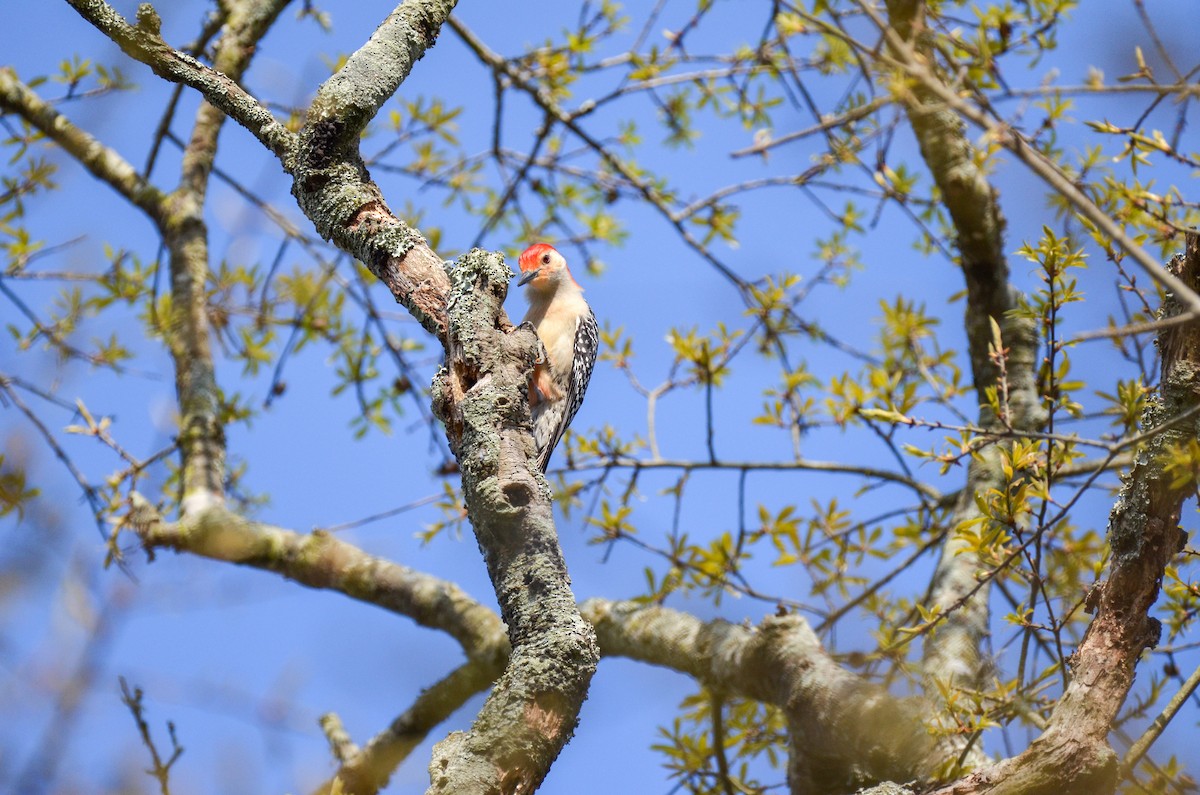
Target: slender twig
{"points": [[716, 709], [1152, 733], [161, 770], [388, 514], [89, 491], [827, 123], [622, 462]]}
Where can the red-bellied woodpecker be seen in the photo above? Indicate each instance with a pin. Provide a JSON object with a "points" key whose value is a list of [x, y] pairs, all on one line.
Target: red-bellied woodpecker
{"points": [[567, 328]]}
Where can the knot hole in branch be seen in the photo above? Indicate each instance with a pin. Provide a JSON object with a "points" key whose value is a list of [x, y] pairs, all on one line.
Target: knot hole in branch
{"points": [[518, 494], [465, 375]]}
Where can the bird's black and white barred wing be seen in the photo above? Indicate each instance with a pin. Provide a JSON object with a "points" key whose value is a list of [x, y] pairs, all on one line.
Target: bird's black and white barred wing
{"points": [[550, 419]]}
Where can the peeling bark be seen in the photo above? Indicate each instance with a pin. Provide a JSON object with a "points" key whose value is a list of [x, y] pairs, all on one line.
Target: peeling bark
{"points": [[331, 182]]}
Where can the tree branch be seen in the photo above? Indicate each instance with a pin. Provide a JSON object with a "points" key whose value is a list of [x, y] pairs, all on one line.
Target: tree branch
{"points": [[321, 560], [844, 732], [913, 64], [1073, 755], [1155, 730], [480, 395], [780, 664], [105, 164], [954, 654], [248, 21], [185, 234], [143, 43], [369, 770], [178, 216], [332, 185]]}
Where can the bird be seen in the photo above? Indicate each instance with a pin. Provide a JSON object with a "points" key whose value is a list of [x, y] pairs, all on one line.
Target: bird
{"points": [[567, 329]]}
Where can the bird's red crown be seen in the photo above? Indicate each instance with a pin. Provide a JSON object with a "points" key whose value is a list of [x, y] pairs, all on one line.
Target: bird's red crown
{"points": [[531, 258]]}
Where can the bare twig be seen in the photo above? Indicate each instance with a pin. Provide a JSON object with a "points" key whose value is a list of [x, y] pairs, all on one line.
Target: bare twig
{"points": [[161, 769]]}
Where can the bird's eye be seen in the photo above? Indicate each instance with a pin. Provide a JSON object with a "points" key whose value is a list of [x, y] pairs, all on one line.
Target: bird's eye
{"points": [[545, 259]]}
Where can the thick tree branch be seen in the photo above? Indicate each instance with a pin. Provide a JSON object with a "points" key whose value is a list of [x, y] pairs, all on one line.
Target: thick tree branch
{"points": [[917, 65], [321, 560], [844, 732], [954, 654], [355, 93], [178, 216], [105, 164], [332, 185], [1073, 755], [185, 233], [143, 43], [480, 394], [201, 432], [246, 24], [781, 663]]}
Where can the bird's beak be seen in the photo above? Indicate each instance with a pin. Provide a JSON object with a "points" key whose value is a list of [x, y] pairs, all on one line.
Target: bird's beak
{"points": [[528, 276]]}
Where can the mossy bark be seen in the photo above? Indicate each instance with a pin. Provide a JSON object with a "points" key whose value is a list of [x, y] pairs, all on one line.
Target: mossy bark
{"points": [[331, 181], [480, 394]]}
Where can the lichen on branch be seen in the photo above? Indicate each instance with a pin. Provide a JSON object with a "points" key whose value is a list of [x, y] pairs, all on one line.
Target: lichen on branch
{"points": [[480, 394]]}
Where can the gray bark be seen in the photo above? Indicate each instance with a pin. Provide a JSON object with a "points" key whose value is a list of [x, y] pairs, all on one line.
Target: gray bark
{"points": [[954, 654], [480, 394], [331, 183], [843, 732], [1072, 757]]}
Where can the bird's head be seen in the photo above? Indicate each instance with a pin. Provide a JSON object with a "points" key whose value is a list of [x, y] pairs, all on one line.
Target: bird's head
{"points": [[543, 268]]}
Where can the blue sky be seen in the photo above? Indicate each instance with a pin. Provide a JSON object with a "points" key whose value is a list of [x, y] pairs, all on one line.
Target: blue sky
{"points": [[243, 662]]}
